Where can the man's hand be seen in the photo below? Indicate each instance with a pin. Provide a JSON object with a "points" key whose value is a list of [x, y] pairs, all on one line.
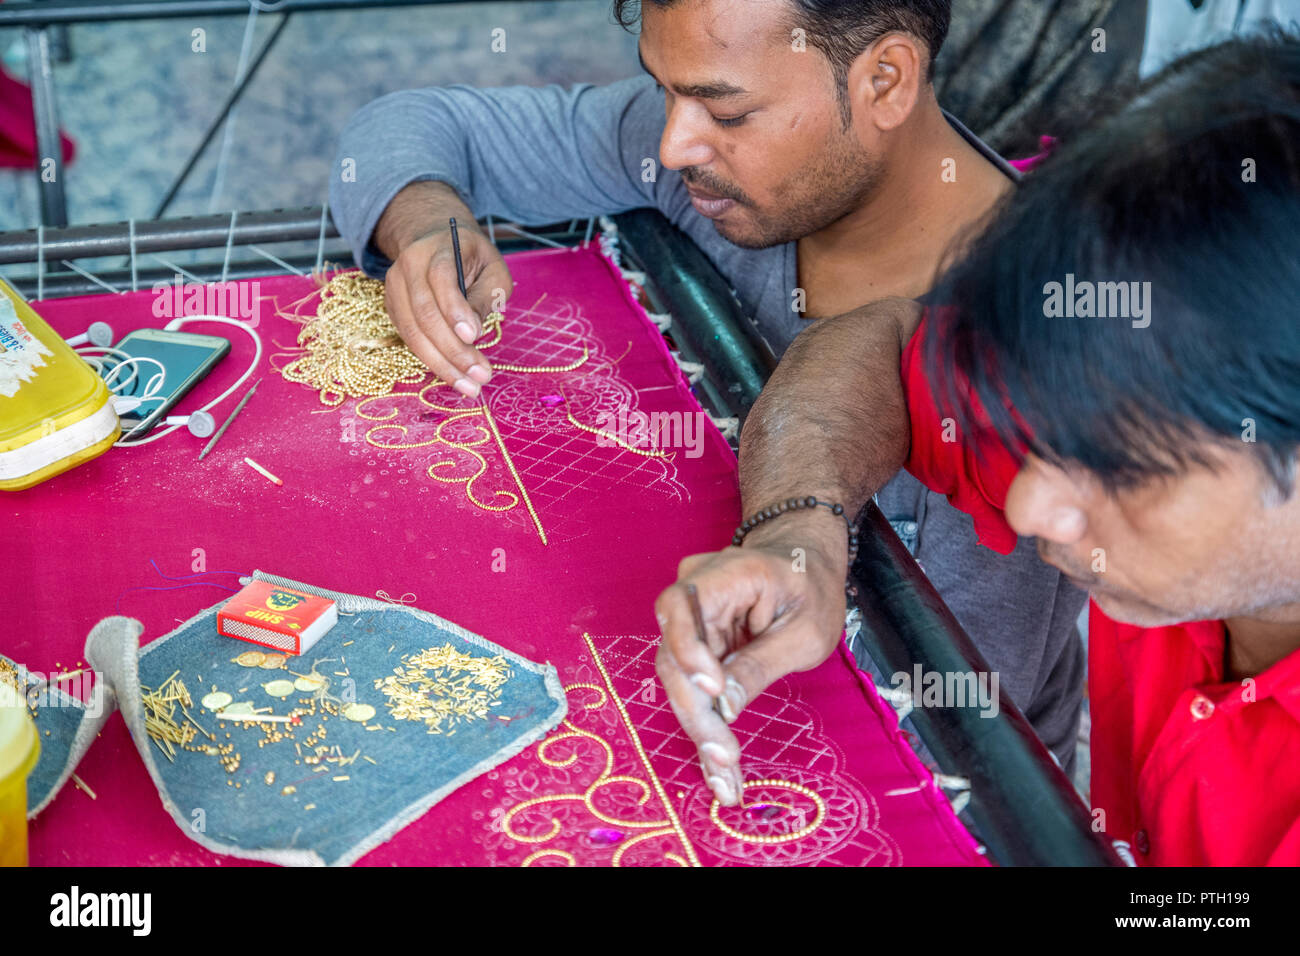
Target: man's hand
{"points": [[764, 618], [421, 294]]}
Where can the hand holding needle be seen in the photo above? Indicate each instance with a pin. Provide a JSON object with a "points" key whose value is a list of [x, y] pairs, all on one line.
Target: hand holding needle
{"points": [[721, 706], [723, 778]]}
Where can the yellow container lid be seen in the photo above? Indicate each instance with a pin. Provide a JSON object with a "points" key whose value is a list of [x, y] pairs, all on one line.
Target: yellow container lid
{"points": [[18, 740], [55, 411]]}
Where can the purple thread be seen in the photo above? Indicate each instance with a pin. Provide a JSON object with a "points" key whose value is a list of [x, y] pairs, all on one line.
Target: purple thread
{"points": [[186, 577], [117, 605]]}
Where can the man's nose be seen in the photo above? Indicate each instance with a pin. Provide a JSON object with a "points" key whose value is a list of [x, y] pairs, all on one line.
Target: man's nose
{"points": [[681, 145], [1044, 503]]}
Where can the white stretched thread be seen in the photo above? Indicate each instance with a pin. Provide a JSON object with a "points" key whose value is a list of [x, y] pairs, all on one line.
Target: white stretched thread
{"points": [[176, 268], [693, 371], [729, 427], [276, 259], [40, 261], [93, 278]]}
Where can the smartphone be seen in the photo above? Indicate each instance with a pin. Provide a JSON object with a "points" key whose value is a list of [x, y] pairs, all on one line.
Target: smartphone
{"points": [[186, 357]]}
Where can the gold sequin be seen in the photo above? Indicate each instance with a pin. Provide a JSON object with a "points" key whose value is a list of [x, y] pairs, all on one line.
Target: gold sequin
{"points": [[278, 688], [250, 659], [216, 700], [271, 661], [358, 712]]}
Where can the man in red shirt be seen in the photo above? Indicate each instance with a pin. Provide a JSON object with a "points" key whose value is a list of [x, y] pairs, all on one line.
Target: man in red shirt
{"points": [[1118, 375]]}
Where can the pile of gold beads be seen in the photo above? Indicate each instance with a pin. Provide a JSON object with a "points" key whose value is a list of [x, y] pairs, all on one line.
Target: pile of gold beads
{"points": [[351, 349]]}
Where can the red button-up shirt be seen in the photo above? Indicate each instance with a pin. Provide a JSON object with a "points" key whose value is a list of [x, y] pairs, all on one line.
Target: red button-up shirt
{"points": [[1188, 768]]}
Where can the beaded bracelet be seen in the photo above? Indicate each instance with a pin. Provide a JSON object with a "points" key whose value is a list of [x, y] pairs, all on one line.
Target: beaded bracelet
{"points": [[794, 504]]}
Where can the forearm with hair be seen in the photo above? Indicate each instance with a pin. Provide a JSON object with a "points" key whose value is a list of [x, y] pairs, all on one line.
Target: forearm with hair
{"points": [[832, 421], [417, 210]]}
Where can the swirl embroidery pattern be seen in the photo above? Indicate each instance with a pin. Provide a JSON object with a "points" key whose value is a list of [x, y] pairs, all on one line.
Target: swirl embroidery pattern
{"points": [[533, 436], [798, 806]]}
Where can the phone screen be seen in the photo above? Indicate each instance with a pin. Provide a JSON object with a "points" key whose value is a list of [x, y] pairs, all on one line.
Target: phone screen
{"points": [[181, 362]]}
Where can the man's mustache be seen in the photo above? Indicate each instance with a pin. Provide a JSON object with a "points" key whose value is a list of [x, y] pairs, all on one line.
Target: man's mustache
{"points": [[707, 181]]}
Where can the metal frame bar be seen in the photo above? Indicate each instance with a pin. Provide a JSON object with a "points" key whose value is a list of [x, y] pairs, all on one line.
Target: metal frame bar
{"points": [[39, 16], [39, 13], [40, 74], [220, 119], [222, 232]]}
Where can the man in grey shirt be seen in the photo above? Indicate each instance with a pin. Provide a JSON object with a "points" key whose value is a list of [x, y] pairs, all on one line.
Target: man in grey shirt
{"points": [[817, 175]]}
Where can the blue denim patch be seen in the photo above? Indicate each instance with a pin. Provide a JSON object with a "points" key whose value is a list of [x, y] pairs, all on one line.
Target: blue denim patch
{"points": [[65, 727], [412, 767]]}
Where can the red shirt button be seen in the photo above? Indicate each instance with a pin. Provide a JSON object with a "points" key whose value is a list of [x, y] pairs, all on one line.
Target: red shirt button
{"points": [[1202, 707], [1141, 842]]}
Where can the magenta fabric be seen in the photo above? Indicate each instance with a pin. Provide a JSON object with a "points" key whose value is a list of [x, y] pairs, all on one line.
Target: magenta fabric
{"points": [[618, 783]]}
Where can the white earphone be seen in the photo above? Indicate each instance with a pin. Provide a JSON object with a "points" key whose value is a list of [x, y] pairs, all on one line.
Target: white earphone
{"points": [[99, 333], [200, 423]]}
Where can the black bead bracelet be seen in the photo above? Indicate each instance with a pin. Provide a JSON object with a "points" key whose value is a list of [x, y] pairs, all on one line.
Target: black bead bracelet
{"points": [[795, 504]]}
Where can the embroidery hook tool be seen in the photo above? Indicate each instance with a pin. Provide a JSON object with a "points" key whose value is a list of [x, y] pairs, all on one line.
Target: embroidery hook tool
{"points": [[226, 424], [460, 266], [720, 706]]}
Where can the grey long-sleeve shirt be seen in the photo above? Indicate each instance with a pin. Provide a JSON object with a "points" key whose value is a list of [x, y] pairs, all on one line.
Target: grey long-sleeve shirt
{"points": [[538, 155]]}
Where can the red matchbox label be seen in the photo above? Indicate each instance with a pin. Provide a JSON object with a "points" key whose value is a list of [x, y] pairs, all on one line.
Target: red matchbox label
{"points": [[262, 606]]}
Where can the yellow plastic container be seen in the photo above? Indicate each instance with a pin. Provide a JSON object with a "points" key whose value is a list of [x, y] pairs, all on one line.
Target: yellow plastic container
{"points": [[19, 750], [55, 411]]}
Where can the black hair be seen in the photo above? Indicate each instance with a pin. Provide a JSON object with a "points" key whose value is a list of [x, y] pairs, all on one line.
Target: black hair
{"points": [[1193, 185], [842, 29]]}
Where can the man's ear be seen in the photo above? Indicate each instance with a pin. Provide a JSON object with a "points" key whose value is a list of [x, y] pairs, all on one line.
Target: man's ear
{"points": [[885, 81]]}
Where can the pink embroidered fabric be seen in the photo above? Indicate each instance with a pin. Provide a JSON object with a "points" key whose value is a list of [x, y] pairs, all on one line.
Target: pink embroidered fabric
{"points": [[831, 781]]}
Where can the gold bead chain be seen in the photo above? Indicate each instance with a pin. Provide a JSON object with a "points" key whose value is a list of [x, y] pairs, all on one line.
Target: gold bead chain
{"points": [[609, 436], [784, 837], [504, 367]]}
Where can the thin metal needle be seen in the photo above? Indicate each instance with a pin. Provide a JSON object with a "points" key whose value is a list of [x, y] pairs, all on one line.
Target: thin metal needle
{"points": [[226, 424], [720, 706], [460, 266]]}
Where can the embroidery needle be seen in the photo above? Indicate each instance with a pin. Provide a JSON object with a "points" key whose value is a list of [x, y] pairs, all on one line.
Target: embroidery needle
{"points": [[460, 266], [226, 424], [720, 706]]}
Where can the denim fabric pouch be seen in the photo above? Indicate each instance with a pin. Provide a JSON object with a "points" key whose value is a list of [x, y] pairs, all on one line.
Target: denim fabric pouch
{"points": [[66, 725], [361, 762]]}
